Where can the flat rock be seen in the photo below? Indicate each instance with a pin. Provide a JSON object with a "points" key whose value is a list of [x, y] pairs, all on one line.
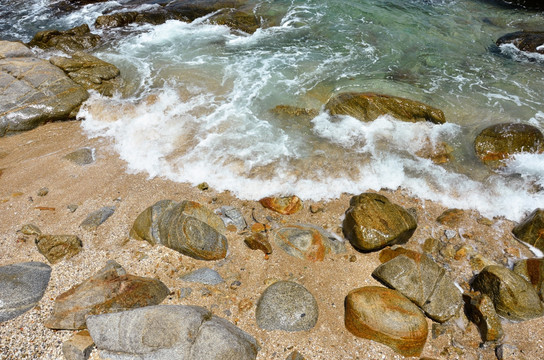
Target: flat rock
{"points": [[76, 39], [78, 347], [532, 270], [421, 280], [531, 229], [286, 305], [369, 106], [186, 227], [83, 156], [307, 242], [168, 332], [97, 218], [530, 41], [386, 316], [23, 286], [232, 215], [109, 290], [205, 276], [480, 310], [525, 4], [514, 298], [33, 91], [372, 222], [58, 247], [286, 205]]}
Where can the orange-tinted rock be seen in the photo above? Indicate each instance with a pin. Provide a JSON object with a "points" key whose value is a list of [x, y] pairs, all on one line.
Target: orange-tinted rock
{"points": [[531, 229], [258, 241], [450, 217], [386, 316], [287, 205], [532, 270], [481, 311]]}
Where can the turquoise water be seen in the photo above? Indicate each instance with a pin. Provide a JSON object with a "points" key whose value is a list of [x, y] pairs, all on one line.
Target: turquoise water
{"points": [[198, 98]]}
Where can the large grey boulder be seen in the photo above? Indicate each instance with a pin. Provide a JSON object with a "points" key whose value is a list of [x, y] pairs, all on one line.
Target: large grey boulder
{"points": [[22, 287], [33, 91], [170, 332]]}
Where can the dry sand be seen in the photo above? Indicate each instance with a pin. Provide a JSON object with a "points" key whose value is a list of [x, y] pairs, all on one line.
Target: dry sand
{"points": [[35, 159]]}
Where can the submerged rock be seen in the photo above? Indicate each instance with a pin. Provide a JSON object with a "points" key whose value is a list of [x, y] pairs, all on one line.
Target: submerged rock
{"points": [[372, 222], [530, 41], [531, 229], [386, 316], [532, 270], [168, 332], [76, 39], [286, 205], [369, 106], [23, 286], [58, 247]]}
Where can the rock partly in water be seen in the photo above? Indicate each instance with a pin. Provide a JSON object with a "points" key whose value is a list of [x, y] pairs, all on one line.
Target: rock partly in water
{"points": [[33, 91], [530, 41], [97, 218], [421, 280], [372, 222], [369, 106], [23, 286], [83, 156], [532, 270], [499, 142], [239, 19], [90, 72], [121, 19], [168, 332], [58, 247], [386, 316], [286, 205], [307, 242], [286, 305], [531, 229], [109, 290], [480, 310], [186, 227], [525, 4], [78, 347], [514, 298], [258, 241], [76, 39], [205, 276]]}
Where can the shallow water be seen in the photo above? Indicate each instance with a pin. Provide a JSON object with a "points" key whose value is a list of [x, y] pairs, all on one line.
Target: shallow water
{"points": [[198, 100]]}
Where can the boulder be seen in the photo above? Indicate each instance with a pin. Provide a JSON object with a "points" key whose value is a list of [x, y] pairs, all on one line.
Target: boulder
{"points": [[76, 39], [193, 9], [525, 4], [23, 286], [97, 218], [243, 20], [372, 222], [386, 316], [288, 306], [109, 290], [480, 310], [369, 106], [530, 41], [121, 19], [286, 205], [532, 270], [58, 247], [307, 242], [496, 143], [168, 332], [531, 229], [421, 280], [186, 227], [33, 91], [90, 72], [514, 298]]}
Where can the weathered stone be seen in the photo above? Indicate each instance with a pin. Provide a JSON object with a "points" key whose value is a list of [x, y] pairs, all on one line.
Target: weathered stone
{"points": [[97, 218], [33, 91], [287, 205], [290, 112], [307, 242], [186, 227], [369, 106], [532, 270], [439, 152], [514, 298], [531, 229], [78, 347], [526, 4], [193, 9], [480, 310], [530, 41], [58, 247], [109, 290], [386, 316], [232, 215], [286, 305], [83, 156], [90, 72], [205, 276], [372, 222], [243, 20], [23, 286], [30, 229], [451, 217], [258, 241], [168, 332], [421, 280], [497, 143], [76, 39], [295, 355], [508, 352]]}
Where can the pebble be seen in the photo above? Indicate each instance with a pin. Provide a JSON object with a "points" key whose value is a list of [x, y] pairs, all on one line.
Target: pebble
{"points": [[204, 276], [98, 217], [43, 191]]}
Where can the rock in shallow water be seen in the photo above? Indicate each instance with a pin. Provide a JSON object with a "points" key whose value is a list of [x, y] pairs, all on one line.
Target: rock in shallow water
{"points": [[22, 287], [76, 39], [83, 156], [530, 41], [286, 205], [168, 332]]}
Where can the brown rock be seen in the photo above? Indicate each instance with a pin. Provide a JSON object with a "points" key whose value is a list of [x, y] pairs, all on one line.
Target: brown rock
{"points": [[439, 153], [451, 217], [480, 310], [373, 222], [58, 247], [386, 316], [258, 241], [532, 270], [531, 229], [530, 41], [284, 205], [369, 106], [76, 39], [78, 347], [109, 290], [289, 112], [244, 20], [295, 355]]}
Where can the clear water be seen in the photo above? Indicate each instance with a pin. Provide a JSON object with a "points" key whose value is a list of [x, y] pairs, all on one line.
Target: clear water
{"points": [[198, 98]]}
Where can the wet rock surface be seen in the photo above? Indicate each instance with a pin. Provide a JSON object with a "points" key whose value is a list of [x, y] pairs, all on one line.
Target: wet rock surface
{"points": [[287, 205], [530, 41], [531, 229], [76, 39], [532, 270], [481, 311]]}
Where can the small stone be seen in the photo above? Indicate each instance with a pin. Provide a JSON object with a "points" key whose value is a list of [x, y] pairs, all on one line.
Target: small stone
{"points": [[450, 234], [30, 229], [508, 352], [258, 227], [204, 276], [43, 191], [481, 311], [72, 208], [83, 156], [185, 292], [203, 186], [430, 245], [352, 258], [78, 347], [58, 247], [284, 205], [315, 208], [233, 216], [295, 355], [235, 284], [258, 241], [450, 217], [307, 242], [286, 305], [96, 218], [245, 304], [531, 229], [448, 251]]}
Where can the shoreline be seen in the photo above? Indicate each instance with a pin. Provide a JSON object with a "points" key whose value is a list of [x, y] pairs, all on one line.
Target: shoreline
{"points": [[35, 159]]}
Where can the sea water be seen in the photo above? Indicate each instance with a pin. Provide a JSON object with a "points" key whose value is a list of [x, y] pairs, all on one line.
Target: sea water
{"points": [[198, 100]]}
